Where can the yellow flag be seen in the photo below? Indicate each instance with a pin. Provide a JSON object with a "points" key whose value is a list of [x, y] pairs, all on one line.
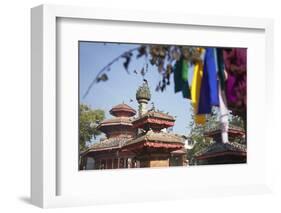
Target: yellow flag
{"points": [[195, 90]]}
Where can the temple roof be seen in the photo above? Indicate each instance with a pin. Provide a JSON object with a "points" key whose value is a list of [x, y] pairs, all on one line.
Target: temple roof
{"points": [[122, 110], [231, 127], [232, 130], [217, 148], [157, 114], [109, 143], [162, 137], [116, 121], [155, 120], [150, 136]]}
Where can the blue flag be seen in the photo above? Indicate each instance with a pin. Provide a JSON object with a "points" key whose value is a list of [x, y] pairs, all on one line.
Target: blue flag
{"points": [[209, 87]]}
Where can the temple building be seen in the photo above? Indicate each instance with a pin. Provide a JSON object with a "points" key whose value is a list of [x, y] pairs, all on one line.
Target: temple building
{"points": [[136, 141], [224, 153]]}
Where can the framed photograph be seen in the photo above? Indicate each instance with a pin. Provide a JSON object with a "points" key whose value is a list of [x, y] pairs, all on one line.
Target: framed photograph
{"points": [[131, 106]]}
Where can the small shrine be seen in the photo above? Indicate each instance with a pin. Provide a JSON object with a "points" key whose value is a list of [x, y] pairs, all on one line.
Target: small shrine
{"points": [[136, 141], [218, 152]]}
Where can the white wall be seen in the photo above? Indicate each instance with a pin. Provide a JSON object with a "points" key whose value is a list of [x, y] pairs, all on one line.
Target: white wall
{"points": [[15, 103]]}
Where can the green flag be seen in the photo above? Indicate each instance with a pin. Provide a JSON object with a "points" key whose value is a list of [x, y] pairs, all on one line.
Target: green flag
{"points": [[181, 78]]}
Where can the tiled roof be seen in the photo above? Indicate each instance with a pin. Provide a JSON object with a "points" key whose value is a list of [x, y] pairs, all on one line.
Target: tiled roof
{"points": [[230, 128], [222, 147], [157, 137], [157, 114], [116, 121], [118, 142], [115, 142], [121, 108]]}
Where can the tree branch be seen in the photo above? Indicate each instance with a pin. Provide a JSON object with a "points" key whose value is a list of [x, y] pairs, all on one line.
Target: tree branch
{"points": [[105, 68]]}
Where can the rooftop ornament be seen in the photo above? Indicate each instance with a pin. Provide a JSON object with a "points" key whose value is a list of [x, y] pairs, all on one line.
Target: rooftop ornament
{"points": [[143, 93]]}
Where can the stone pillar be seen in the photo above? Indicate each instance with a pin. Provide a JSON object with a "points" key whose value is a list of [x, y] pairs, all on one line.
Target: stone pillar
{"points": [[143, 96], [142, 107]]}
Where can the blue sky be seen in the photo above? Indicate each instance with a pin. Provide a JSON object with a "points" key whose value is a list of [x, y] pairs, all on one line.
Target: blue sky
{"points": [[121, 86]]}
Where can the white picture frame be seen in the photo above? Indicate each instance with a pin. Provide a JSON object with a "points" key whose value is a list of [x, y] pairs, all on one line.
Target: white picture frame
{"points": [[44, 149]]}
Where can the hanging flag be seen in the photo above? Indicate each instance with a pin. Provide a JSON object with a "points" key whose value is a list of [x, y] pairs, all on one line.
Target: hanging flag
{"points": [[178, 76], [181, 78], [224, 123], [185, 84], [195, 89], [209, 85]]}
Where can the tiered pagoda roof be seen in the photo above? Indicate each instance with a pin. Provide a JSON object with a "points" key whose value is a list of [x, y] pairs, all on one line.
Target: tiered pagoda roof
{"points": [[117, 129], [154, 120], [157, 139], [222, 149], [121, 123], [233, 131]]}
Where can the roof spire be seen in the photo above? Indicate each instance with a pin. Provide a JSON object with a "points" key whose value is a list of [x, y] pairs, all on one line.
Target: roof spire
{"points": [[143, 95]]}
